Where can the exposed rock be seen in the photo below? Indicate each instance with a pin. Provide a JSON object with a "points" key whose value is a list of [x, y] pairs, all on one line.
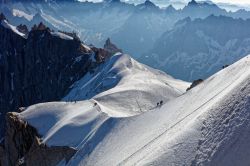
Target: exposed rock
{"points": [[195, 83], [101, 54], [23, 29], [2, 157], [23, 146], [2, 17], [40, 27], [225, 66], [42, 155], [110, 47], [19, 137]]}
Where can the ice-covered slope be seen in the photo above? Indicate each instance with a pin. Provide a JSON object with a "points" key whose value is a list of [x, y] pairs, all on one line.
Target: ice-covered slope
{"points": [[208, 125], [124, 87]]}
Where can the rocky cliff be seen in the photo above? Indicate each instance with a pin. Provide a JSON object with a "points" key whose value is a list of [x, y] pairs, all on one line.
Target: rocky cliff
{"points": [[23, 146], [40, 65]]}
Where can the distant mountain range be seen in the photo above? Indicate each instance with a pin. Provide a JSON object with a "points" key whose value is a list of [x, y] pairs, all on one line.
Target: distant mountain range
{"points": [[139, 26], [116, 111], [64, 101], [198, 48]]}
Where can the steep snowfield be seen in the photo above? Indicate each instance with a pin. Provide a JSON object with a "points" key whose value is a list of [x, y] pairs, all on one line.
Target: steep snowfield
{"points": [[208, 125], [123, 87]]}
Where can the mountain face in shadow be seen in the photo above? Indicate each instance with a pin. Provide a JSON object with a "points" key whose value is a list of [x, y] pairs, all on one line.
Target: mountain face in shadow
{"points": [[42, 64]]}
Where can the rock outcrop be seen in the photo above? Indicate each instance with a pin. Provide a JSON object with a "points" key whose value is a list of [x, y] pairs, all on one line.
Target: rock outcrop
{"points": [[110, 47], [23, 29], [194, 84], [23, 146]]}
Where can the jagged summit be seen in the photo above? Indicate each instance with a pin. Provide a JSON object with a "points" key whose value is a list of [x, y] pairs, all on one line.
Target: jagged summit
{"points": [[170, 9], [148, 5], [40, 27], [2, 17], [23, 29], [112, 48], [111, 1], [192, 3]]}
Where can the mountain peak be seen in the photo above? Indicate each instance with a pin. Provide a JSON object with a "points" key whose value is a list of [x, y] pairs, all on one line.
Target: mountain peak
{"points": [[40, 27], [149, 3], [112, 1], [2, 17], [170, 9], [112, 48], [193, 2]]}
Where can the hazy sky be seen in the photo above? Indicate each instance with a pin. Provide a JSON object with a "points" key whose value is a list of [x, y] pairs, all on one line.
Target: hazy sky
{"points": [[241, 2]]}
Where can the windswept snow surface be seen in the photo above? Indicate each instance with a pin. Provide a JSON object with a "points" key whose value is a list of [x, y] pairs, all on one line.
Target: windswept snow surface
{"points": [[208, 125], [65, 123], [125, 87]]}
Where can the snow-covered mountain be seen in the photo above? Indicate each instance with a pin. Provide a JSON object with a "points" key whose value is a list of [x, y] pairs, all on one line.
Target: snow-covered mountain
{"points": [[198, 48], [123, 80], [139, 26], [119, 88], [40, 65], [207, 125], [76, 104]]}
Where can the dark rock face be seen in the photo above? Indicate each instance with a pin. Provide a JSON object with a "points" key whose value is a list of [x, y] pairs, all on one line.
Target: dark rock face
{"points": [[39, 68], [23, 29], [110, 47], [195, 83], [23, 146]]}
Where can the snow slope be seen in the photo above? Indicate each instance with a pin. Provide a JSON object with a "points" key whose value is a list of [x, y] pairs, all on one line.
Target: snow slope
{"points": [[115, 82], [208, 125], [123, 87]]}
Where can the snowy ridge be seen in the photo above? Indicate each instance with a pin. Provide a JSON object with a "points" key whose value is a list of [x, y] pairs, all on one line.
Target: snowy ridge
{"points": [[121, 75], [78, 119], [215, 114], [13, 28], [123, 80], [208, 125]]}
